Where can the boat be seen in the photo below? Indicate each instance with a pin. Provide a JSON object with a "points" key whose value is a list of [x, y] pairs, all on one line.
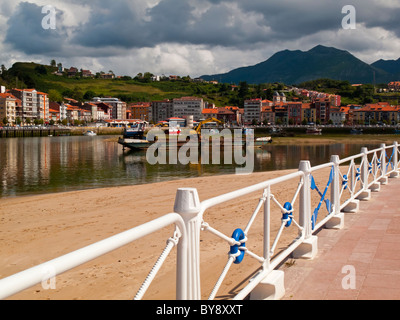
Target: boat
{"points": [[136, 131], [356, 131], [262, 141], [90, 133], [143, 144], [313, 130], [135, 144]]}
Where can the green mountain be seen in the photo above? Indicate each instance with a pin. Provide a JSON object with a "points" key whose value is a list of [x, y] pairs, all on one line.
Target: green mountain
{"points": [[390, 66], [293, 67]]}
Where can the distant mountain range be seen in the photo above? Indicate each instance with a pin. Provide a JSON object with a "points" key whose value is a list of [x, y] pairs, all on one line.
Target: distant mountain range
{"points": [[294, 67]]}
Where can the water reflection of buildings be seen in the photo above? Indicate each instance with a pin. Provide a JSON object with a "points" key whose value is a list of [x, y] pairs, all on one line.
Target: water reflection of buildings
{"points": [[65, 163], [34, 164], [23, 162]]}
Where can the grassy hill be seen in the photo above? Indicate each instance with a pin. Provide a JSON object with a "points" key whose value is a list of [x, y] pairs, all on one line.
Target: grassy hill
{"points": [[41, 77]]}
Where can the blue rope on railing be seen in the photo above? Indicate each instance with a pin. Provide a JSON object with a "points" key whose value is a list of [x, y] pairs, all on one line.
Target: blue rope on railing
{"points": [[358, 174], [327, 201], [238, 235], [288, 215], [344, 182], [390, 160]]}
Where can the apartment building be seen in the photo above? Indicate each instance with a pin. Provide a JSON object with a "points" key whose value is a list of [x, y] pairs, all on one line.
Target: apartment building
{"points": [[252, 111], [161, 110], [7, 107], [188, 106], [140, 111], [322, 107], [29, 106], [267, 115], [42, 102], [118, 111], [294, 112], [379, 112], [308, 113]]}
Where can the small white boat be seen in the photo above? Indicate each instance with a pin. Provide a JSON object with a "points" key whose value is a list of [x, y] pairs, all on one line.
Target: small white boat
{"points": [[90, 133], [263, 140], [313, 130]]}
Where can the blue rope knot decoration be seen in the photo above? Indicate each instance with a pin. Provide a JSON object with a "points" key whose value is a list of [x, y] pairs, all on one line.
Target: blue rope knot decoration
{"points": [[369, 167], [390, 160], [322, 195], [344, 182], [238, 235], [288, 214], [379, 164], [358, 174]]}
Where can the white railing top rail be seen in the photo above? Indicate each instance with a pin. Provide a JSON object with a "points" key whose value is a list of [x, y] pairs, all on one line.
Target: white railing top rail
{"points": [[206, 204], [43, 272]]}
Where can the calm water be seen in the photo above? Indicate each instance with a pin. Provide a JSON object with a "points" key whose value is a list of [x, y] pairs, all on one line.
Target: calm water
{"points": [[56, 164]]}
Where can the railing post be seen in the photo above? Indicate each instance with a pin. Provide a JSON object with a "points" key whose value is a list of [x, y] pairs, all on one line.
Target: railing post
{"points": [[365, 195], [383, 179], [187, 204], [337, 219], [309, 248], [305, 200], [395, 173]]}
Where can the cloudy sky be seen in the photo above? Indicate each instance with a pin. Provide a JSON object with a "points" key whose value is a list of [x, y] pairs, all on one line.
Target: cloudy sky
{"points": [[190, 37]]}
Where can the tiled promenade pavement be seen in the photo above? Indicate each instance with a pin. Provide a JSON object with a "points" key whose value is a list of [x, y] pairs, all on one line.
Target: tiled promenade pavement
{"points": [[368, 247]]}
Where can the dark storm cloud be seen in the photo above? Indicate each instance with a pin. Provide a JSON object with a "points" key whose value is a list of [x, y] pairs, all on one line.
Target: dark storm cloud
{"points": [[113, 23], [173, 21], [241, 24], [25, 32]]}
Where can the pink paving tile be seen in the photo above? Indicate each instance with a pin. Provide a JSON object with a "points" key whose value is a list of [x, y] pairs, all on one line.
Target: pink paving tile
{"points": [[376, 293], [382, 280], [379, 265], [388, 251], [370, 242]]}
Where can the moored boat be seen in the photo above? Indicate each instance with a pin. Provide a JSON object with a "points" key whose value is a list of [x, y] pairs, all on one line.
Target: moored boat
{"points": [[313, 130], [90, 133]]}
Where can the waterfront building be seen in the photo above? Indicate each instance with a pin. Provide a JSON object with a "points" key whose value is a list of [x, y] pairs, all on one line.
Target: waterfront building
{"points": [[380, 112], [8, 107], [139, 110], [322, 107], [118, 111], [252, 111], [267, 115], [294, 110], [103, 111], [161, 110], [308, 113], [339, 115], [229, 114], [281, 114], [29, 106], [188, 106], [42, 101]]}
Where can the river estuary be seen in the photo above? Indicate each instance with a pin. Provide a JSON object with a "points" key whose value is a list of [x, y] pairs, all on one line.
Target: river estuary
{"points": [[40, 165]]}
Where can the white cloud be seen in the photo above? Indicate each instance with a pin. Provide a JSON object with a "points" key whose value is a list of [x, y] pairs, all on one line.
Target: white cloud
{"points": [[193, 37]]}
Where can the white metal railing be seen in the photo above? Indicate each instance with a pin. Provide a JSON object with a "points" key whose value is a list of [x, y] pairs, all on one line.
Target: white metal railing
{"points": [[345, 181], [43, 272]]}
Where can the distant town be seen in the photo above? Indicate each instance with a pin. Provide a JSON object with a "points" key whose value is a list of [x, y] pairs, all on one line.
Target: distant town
{"points": [[22, 107]]}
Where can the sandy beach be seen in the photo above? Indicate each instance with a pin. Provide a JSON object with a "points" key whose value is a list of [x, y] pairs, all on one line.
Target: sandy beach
{"points": [[35, 229]]}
